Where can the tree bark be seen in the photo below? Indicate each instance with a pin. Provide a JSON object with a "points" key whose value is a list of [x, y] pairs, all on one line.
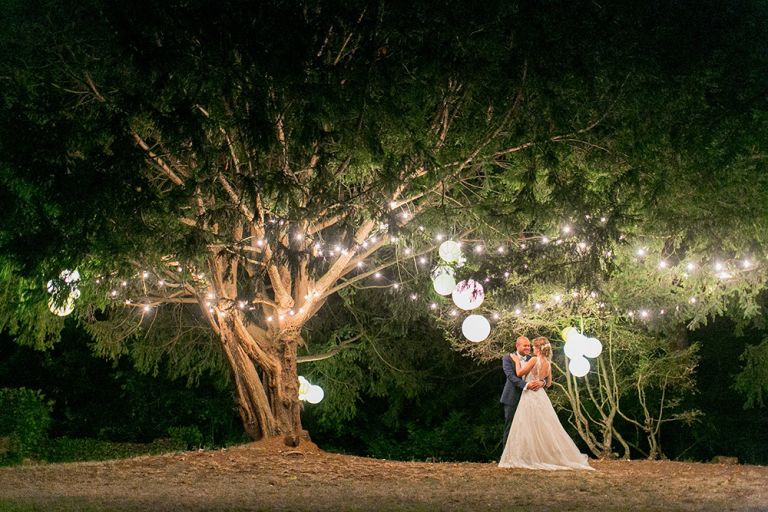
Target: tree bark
{"points": [[267, 394]]}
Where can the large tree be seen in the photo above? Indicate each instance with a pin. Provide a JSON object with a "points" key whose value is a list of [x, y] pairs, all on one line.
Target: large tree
{"points": [[218, 172]]}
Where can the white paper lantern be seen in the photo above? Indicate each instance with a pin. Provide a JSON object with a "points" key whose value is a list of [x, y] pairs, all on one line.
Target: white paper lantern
{"points": [[303, 387], [443, 280], [476, 328], [468, 295], [70, 278], [592, 347], [315, 394], [61, 309], [573, 349], [579, 367], [568, 332], [450, 251]]}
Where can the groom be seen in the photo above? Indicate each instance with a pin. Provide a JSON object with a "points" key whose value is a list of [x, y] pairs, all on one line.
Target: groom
{"points": [[514, 385]]}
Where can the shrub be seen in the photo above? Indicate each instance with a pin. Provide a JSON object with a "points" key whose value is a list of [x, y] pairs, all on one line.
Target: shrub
{"points": [[24, 421], [188, 437], [65, 449]]}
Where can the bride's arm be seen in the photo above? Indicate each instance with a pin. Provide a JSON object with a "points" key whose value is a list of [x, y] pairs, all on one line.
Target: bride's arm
{"points": [[549, 375], [523, 369]]}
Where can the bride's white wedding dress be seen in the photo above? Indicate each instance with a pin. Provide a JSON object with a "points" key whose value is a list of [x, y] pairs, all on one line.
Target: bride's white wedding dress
{"points": [[536, 439]]}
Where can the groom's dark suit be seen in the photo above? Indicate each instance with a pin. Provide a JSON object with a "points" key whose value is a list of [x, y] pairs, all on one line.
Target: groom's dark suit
{"points": [[510, 397]]}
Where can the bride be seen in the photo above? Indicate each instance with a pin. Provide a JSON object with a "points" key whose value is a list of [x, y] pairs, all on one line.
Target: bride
{"points": [[536, 439]]}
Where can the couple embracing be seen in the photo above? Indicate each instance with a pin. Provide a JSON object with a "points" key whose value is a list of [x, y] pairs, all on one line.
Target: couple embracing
{"points": [[533, 435]]}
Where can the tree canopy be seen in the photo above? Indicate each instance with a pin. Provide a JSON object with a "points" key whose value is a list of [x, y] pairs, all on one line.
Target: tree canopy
{"points": [[219, 172]]}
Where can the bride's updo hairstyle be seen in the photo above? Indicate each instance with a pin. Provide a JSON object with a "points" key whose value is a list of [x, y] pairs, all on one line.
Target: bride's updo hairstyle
{"points": [[543, 344]]}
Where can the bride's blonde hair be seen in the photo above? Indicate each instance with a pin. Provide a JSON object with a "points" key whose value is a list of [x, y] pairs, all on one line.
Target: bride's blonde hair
{"points": [[544, 346]]}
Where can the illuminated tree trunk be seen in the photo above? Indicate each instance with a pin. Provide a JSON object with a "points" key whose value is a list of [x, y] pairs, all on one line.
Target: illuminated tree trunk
{"points": [[266, 385]]}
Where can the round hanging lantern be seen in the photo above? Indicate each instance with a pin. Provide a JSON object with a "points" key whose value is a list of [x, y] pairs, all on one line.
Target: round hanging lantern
{"points": [[303, 387], [70, 278], [568, 332], [476, 328], [579, 367], [573, 350], [450, 251], [315, 394], [468, 294], [61, 309], [592, 347], [443, 280]]}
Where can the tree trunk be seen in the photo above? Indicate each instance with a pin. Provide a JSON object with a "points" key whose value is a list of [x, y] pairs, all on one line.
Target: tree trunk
{"points": [[267, 390], [284, 392]]}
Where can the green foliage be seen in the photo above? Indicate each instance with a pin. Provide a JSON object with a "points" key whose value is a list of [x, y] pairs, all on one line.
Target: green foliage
{"points": [[752, 380], [656, 121], [189, 437], [24, 419], [65, 449], [24, 309], [456, 436]]}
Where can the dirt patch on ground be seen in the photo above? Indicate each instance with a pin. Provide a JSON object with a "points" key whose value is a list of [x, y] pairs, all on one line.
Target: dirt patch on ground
{"points": [[270, 476]]}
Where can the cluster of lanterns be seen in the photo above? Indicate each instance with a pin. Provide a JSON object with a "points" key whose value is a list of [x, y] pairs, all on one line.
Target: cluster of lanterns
{"points": [[70, 279], [467, 294], [578, 348], [308, 392]]}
